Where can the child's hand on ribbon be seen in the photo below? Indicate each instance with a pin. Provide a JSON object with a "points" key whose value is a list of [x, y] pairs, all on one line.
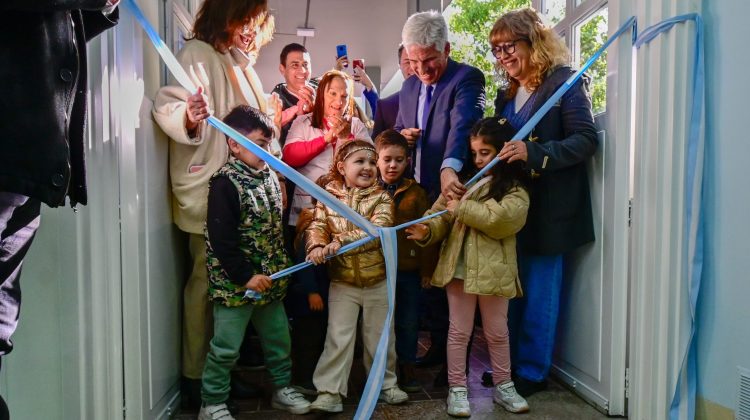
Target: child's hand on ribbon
{"points": [[417, 232], [452, 206], [259, 283]]}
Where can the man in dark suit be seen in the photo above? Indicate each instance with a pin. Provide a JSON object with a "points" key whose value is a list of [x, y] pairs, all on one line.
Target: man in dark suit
{"points": [[386, 109], [437, 109]]}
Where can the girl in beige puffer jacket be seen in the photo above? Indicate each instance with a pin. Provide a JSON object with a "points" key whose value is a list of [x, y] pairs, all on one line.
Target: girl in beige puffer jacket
{"points": [[478, 262]]}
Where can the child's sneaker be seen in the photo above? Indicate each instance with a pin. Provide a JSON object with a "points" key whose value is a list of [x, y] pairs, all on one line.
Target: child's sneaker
{"points": [[289, 399], [506, 395], [330, 403], [214, 412], [393, 396], [458, 402]]}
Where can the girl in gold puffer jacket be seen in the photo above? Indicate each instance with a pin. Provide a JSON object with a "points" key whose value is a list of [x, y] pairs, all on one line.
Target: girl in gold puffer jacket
{"points": [[477, 263], [357, 277]]}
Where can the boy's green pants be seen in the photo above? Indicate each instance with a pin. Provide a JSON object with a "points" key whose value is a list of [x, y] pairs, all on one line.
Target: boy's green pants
{"points": [[270, 322]]}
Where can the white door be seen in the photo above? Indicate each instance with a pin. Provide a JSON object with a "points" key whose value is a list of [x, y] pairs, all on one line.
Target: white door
{"points": [[591, 345]]}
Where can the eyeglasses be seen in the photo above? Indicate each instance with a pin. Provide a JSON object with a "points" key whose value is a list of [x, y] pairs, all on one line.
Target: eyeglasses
{"points": [[509, 48]]}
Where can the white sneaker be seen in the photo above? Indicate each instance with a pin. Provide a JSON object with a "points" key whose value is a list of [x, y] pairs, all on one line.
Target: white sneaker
{"points": [[458, 402], [330, 403], [393, 396], [506, 395], [214, 412], [289, 399]]}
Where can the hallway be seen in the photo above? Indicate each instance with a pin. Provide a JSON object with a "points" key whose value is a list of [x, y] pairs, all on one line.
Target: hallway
{"points": [[555, 403]]}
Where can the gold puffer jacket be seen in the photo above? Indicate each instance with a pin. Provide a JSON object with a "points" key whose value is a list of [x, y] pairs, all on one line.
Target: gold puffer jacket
{"points": [[486, 231], [364, 266]]}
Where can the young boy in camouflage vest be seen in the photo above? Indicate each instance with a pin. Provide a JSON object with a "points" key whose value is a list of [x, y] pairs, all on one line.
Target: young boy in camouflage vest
{"points": [[244, 246]]}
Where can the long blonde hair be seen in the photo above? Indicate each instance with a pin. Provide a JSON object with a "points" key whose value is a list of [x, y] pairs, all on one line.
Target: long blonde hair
{"points": [[548, 50]]}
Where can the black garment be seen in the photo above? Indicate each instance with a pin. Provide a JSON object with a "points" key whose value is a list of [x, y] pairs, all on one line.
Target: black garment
{"points": [[43, 105], [560, 217]]}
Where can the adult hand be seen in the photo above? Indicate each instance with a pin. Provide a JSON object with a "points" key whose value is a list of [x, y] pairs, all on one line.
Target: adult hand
{"points": [[411, 134], [451, 206], [316, 255], [339, 129], [315, 301], [306, 96], [513, 151], [417, 231], [274, 102], [341, 62], [258, 283], [426, 282], [196, 110], [450, 186], [361, 76]]}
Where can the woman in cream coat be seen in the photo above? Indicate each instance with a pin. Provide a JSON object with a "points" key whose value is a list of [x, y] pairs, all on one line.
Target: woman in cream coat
{"points": [[227, 36]]}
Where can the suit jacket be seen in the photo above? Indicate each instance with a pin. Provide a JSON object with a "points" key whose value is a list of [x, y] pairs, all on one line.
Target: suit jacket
{"points": [[560, 217], [43, 105], [386, 112], [457, 103]]}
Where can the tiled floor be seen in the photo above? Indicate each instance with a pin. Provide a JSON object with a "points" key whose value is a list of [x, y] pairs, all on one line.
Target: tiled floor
{"points": [[555, 403]]}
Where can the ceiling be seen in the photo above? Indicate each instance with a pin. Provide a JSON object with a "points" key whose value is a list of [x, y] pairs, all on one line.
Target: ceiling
{"points": [[370, 29]]}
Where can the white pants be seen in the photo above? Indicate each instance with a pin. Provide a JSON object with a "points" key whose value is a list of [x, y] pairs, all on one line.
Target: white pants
{"points": [[344, 301]]}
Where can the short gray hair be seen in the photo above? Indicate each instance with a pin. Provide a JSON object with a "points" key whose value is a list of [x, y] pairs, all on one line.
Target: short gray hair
{"points": [[427, 29]]}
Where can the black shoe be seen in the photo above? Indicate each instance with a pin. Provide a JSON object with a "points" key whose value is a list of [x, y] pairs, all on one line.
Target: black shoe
{"points": [[487, 379], [191, 393], [433, 357], [232, 407], [243, 390], [441, 379], [527, 388]]}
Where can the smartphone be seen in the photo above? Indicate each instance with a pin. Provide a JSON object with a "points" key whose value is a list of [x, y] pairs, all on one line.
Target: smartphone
{"points": [[341, 50], [358, 62]]}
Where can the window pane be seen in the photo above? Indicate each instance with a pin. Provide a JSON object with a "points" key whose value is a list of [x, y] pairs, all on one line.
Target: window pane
{"points": [[591, 34], [554, 10]]}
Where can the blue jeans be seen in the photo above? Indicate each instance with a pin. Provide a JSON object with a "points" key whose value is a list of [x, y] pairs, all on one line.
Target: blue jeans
{"points": [[406, 323], [532, 319]]}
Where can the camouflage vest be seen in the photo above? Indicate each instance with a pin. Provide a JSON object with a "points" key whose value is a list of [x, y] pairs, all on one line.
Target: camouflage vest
{"points": [[261, 239]]}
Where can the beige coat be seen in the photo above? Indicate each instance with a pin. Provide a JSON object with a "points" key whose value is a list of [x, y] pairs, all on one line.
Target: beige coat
{"points": [[228, 81], [486, 231], [363, 266]]}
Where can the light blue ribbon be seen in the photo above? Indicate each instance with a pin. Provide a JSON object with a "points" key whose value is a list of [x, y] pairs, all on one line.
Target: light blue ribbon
{"points": [[388, 235], [693, 229]]}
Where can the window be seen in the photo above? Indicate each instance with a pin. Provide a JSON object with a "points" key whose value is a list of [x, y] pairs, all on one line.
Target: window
{"points": [[553, 10], [590, 35]]}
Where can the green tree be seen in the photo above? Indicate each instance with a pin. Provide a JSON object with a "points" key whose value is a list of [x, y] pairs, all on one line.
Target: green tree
{"points": [[471, 26], [470, 23]]}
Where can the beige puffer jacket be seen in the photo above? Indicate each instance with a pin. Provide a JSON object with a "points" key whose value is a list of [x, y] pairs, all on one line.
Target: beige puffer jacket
{"points": [[487, 232], [364, 266]]}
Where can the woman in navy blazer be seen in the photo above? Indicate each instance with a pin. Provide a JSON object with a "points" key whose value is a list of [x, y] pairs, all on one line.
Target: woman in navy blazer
{"points": [[533, 60]]}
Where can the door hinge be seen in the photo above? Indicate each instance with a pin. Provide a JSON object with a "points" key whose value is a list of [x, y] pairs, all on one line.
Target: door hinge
{"points": [[630, 211], [627, 382]]}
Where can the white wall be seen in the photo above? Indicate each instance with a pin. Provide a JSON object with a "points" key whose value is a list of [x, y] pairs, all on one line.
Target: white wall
{"points": [[723, 308]]}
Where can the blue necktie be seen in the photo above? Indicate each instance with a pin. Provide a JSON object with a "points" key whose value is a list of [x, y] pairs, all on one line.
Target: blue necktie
{"points": [[425, 114]]}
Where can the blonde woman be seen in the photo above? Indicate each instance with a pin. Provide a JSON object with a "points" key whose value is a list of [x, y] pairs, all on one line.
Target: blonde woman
{"points": [[534, 63]]}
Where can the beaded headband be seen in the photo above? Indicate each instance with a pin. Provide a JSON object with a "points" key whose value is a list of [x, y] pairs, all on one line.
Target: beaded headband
{"points": [[357, 149]]}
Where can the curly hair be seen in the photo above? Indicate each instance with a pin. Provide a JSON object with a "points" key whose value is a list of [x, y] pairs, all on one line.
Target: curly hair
{"points": [[548, 50], [343, 150], [217, 21], [318, 109], [496, 132]]}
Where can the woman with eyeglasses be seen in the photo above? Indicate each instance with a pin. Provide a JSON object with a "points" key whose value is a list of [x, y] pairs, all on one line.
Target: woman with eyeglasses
{"points": [[534, 62], [219, 57]]}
